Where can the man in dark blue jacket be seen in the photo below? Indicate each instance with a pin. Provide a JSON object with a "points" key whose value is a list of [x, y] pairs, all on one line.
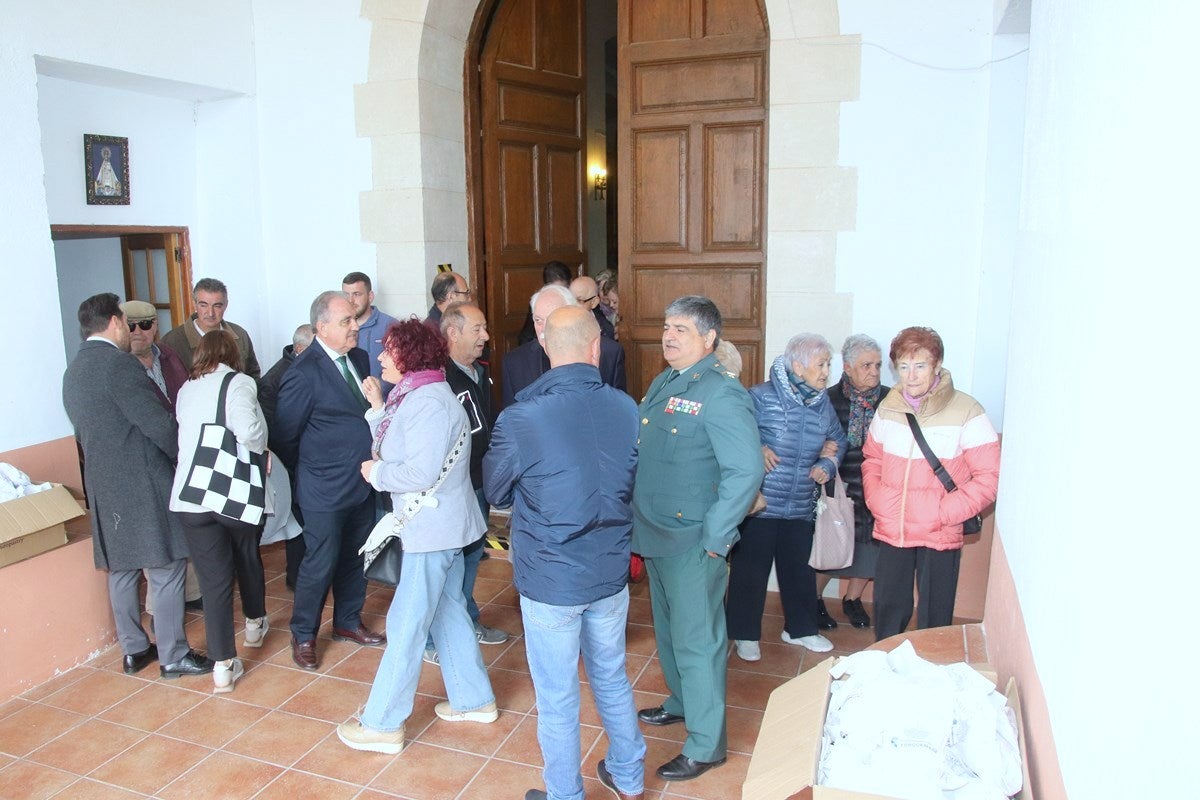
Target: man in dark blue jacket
{"points": [[564, 458], [321, 436]]}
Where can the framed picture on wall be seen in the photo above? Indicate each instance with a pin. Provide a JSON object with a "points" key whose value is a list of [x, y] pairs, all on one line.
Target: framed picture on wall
{"points": [[106, 169]]}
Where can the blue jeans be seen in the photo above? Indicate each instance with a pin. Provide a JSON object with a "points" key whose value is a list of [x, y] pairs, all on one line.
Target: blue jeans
{"points": [[428, 599], [472, 555], [554, 638]]}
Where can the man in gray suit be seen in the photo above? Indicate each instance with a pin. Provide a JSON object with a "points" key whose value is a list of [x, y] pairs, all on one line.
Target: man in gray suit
{"points": [[129, 449]]}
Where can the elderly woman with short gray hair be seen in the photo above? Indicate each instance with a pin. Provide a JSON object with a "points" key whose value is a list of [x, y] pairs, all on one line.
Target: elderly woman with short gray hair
{"points": [[855, 398], [795, 419]]}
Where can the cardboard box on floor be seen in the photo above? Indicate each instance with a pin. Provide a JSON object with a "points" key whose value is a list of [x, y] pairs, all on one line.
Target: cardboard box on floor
{"points": [[784, 764], [34, 524]]}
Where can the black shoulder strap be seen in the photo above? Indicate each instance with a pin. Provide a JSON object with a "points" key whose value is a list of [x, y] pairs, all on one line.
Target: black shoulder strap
{"points": [[221, 398], [933, 460]]}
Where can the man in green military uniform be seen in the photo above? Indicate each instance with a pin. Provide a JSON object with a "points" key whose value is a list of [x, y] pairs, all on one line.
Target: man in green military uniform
{"points": [[699, 466]]}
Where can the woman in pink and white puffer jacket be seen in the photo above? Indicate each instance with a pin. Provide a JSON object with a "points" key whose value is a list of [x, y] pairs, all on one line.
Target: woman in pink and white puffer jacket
{"points": [[918, 524]]}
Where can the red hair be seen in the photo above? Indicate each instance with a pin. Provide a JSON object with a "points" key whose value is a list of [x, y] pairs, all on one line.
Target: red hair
{"points": [[910, 340], [414, 346]]}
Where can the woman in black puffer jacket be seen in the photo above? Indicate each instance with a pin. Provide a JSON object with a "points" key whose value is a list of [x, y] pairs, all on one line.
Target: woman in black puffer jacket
{"points": [[855, 398]]}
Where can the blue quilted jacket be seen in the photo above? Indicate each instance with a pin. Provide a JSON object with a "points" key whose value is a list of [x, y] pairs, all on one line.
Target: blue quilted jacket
{"points": [[796, 433]]}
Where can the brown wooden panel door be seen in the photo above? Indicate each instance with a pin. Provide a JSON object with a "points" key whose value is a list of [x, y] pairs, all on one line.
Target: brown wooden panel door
{"points": [[157, 271], [532, 94], [692, 125]]}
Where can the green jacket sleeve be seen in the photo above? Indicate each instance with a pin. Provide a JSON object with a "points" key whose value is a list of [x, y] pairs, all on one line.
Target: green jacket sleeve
{"points": [[733, 434]]}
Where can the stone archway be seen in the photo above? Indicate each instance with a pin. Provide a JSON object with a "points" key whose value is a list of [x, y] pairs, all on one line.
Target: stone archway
{"points": [[411, 107]]}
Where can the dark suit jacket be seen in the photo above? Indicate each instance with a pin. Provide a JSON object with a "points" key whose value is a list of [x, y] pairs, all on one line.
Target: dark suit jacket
{"points": [[320, 433], [130, 444], [528, 362], [476, 399]]}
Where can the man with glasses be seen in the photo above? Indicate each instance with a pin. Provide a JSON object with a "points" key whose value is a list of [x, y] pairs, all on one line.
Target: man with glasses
{"points": [[162, 365], [211, 299], [166, 373], [448, 287], [588, 294]]}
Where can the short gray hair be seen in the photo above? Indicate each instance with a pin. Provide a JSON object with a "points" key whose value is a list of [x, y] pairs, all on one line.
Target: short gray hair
{"points": [[303, 336], [210, 285], [855, 345], [703, 313], [319, 311], [553, 288], [803, 346]]}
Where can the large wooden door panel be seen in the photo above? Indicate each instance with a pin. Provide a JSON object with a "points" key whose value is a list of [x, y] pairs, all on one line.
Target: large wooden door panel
{"points": [[532, 103], [692, 115]]}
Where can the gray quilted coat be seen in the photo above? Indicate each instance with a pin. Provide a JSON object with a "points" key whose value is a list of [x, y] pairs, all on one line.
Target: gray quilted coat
{"points": [[129, 450]]}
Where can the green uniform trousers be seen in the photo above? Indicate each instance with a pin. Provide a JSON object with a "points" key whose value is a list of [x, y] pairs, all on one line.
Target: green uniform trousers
{"points": [[687, 594]]}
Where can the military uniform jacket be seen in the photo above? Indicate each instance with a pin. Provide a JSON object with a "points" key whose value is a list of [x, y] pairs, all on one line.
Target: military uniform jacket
{"points": [[699, 462]]}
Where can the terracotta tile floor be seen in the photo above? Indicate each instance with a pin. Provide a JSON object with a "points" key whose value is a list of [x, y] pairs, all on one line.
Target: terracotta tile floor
{"points": [[94, 732]]}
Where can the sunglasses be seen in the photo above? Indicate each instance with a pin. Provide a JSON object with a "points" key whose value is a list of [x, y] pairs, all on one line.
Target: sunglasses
{"points": [[145, 325]]}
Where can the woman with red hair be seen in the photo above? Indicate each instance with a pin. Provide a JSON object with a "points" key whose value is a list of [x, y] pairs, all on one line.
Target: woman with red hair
{"points": [[422, 456], [918, 523]]}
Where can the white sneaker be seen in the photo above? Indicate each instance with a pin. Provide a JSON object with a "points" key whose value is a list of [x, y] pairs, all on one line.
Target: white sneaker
{"points": [[256, 631], [356, 735], [486, 635], [817, 643], [747, 650], [225, 675], [487, 713], [430, 656]]}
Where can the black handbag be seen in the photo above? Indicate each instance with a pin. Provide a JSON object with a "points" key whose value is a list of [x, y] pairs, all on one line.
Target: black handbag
{"points": [[975, 523], [226, 477], [383, 564]]}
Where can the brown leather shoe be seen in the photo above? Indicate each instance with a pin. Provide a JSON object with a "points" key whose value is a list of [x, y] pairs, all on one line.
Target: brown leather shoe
{"points": [[304, 653], [360, 635], [606, 779]]}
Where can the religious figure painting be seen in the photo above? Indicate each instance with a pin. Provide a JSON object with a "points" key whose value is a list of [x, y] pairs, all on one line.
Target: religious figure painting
{"points": [[106, 164]]}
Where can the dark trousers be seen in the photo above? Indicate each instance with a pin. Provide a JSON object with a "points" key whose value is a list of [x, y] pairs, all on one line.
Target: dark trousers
{"points": [[787, 543], [331, 560], [937, 583], [222, 549], [293, 550]]}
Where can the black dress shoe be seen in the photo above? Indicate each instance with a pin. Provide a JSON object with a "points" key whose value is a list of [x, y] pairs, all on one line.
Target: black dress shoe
{"points": [[824, 621], [682, 768], [658, 716], [191, 664], [195, 605], [856, 613], [139, 661]]}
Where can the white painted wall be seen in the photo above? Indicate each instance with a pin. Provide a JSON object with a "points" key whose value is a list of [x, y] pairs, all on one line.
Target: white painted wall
{"points": [[309, 55], [919, 138], [154, 37], [85, 267], [1099, 451], [162, 153]]}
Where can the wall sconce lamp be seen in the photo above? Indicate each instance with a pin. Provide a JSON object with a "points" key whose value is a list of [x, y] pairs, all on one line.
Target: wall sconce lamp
{"points": [[599, 183]]}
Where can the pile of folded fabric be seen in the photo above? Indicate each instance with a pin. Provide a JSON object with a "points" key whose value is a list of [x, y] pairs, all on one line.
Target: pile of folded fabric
{"points": [[903, 727]]}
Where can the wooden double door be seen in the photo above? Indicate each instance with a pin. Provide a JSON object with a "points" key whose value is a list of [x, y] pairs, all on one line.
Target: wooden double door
{"points": [[690, 175]]}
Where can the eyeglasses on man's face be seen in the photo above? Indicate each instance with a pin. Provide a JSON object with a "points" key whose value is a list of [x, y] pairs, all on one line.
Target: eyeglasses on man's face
{"points": [[145, 325]]}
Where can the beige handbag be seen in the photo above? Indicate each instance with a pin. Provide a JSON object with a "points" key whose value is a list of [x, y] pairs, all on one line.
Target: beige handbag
{"points": [[833, 541]]}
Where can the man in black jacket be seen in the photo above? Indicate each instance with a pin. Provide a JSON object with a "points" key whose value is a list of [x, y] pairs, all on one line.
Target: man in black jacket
{"points": [[465, 329]]}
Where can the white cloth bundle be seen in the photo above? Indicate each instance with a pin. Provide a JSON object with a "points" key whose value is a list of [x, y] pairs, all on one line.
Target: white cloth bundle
{"points": [[902, 727]]}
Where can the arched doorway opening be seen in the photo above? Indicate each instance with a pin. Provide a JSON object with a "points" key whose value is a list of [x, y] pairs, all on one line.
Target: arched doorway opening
{"points": [[690, 173]]}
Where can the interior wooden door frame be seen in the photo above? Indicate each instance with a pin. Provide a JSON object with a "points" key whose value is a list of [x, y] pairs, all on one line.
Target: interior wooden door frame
{"points": [[184, 256]]}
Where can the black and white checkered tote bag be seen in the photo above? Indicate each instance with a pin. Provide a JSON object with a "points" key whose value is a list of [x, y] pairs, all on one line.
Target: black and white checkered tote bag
{"points": [[226, 477]]}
